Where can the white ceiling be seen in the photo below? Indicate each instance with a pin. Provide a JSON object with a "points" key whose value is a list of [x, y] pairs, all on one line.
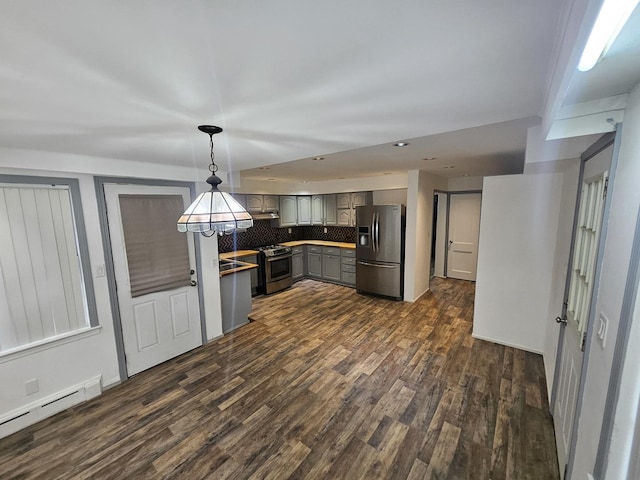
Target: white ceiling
{"points": [[287, 80]]}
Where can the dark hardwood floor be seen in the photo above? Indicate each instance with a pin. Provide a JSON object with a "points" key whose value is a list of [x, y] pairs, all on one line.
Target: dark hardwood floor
{"points": [[323, 384]]}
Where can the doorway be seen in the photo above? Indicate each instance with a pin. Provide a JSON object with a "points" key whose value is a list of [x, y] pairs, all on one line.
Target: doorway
{"points": [[463, 233], [155, 319], [579, 293]]}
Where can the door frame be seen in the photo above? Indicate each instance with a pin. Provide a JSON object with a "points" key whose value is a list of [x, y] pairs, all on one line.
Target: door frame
{"points": [[440, 220], [446, 236], [99, 183], [601, 144]]}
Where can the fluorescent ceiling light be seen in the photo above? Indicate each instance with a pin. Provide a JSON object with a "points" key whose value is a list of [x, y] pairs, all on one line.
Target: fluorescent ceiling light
{"points": [[612, 17]]}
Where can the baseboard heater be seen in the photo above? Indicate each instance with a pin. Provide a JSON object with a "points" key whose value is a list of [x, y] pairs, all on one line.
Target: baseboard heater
{"points": [[34, 412]]}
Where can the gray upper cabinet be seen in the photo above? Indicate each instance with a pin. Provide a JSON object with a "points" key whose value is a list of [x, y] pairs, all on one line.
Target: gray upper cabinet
{"points": [[270, 203], [347, 214], [288, 211], [261, 203], [344, 217], [330, 209], [317, 210], [254, 202], [304, 210], [343, 200], [361, 198]]}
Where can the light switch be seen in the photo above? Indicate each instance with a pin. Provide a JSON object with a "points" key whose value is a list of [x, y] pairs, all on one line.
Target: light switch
{"points": [[100, 271], [603, 325]]}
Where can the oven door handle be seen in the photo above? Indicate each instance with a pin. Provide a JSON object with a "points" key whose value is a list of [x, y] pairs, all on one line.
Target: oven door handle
{"points": [[279, 257]]}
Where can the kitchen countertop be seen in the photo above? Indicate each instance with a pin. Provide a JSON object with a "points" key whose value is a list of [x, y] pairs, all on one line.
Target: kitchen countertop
{"points": [[244, 266], [237, 254], [321, 243]]}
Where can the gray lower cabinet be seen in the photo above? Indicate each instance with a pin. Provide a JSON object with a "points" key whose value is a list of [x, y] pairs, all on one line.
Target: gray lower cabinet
{"points": [[297, 263], [348, 264], [331, 264], [314, 264]]}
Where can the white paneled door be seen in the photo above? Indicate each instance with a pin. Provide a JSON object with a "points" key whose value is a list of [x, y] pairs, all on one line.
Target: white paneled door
{"points": [[160, 318], [464, 231], [580, 290]]}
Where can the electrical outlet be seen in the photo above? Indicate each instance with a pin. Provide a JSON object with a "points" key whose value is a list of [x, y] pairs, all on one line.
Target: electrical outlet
{"points": [[100, 270], [325, 229], [603, 325], [31, 386], [289, 230]]}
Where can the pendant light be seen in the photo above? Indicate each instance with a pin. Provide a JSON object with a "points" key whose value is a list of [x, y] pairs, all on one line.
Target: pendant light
{"points": [[214, 211]]}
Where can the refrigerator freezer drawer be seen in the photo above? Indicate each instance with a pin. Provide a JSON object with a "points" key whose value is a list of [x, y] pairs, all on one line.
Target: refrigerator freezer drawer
{"points": [[379, 278]]}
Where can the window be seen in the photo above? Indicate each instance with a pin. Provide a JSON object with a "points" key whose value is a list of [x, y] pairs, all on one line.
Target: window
{"points": [[45, 285]]}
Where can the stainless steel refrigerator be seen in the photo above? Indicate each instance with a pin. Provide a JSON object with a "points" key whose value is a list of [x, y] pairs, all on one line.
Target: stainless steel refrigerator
{"points": [[380, 250]]}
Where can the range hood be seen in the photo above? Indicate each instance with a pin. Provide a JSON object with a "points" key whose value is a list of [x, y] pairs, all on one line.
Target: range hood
{"points": [[264, 215]]}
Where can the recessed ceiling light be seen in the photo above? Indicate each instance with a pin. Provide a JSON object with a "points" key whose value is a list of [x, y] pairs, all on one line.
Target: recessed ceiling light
{"points": [[429, 158], [450, 166], [263, 168], [401, 144], [271, 179], [318, 158], [387, 173]]}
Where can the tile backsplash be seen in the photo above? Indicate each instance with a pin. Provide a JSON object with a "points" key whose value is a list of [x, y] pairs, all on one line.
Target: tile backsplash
{"points": [[262, 233]]}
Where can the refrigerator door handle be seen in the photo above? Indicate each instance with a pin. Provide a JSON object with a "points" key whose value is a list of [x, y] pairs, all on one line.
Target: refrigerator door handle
{"points": [[377, 232], [373, 231], [376, 265]]}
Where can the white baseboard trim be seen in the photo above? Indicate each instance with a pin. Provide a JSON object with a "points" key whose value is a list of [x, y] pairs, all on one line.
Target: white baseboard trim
{"points": [[506, 344], [31, 413]]}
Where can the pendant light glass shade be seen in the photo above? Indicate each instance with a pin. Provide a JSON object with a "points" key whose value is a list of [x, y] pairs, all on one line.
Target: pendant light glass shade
{"points": [[214, 210]]}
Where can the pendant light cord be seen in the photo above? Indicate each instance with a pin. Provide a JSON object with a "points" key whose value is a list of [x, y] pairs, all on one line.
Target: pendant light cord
{"points": [[213, 168]]}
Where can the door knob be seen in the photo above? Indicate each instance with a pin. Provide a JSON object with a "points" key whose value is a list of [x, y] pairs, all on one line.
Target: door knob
{"points": [[562, 320]]}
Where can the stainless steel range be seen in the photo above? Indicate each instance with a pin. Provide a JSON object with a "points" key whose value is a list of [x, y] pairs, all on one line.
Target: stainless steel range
{"points": [[275, 271]]}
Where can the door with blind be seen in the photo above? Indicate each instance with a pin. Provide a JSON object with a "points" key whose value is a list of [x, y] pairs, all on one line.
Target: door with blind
{"points": [[579, 292], [155, 273]]}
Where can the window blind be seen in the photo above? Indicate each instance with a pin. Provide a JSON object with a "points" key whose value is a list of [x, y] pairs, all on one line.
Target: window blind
{"points": [[41, 286], [157, 254]]}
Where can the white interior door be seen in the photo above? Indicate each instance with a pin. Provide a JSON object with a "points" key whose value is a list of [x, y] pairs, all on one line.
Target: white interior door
{"points": [[464, 231], [578, 299], [162, 324]]}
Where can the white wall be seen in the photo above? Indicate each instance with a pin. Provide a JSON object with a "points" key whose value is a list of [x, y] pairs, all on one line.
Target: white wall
{"points": [[419, 232], [390, 197], [383, 182], [74, 362], [462, 184], [625, 202], [518, 228], [70, 363]]}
